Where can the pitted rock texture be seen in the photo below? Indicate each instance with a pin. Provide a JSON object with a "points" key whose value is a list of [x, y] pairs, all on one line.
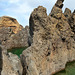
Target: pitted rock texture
{"points": [[9, 63], [19, 39], [53, 42], [11, 40], [67, 13], [5, 34], [72, 21], [6, 21]]}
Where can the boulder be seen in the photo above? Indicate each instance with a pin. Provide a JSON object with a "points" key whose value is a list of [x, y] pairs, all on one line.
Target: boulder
{"points": [[5, 34], [67, 13], [11, 40], [9, 63], [7, 21], [19, 39], [53, 43]]}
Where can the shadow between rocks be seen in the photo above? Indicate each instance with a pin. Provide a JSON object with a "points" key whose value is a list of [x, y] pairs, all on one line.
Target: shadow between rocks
{"points": [[1, 62]]}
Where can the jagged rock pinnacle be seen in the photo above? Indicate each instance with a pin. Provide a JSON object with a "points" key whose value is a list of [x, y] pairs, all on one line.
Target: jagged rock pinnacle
{"points": [[67, 13], [59, 3], [57, 9]]}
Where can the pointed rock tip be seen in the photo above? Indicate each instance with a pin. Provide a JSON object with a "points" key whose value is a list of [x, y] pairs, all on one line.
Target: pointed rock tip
{"points": [[59, 3], [67, 10], [67, 13]]}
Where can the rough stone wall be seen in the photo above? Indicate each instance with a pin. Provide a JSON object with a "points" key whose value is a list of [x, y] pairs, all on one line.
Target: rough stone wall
{"points": [[53, 42]]}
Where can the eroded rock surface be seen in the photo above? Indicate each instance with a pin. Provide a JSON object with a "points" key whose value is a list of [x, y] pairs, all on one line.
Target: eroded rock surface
{"points": [[71, 21], [67, 13], [53, 41], [11, 40], [18, 40], [6, 21], [9, 63], [5, 34]]}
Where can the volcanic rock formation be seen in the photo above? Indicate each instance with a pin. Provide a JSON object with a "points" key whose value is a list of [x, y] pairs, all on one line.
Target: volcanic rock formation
{"points": [[53, 41], [6, 21]]}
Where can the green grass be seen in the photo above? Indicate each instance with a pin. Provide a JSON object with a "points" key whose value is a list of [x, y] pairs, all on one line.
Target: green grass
{"points": [[69, 70], [17, 51]]}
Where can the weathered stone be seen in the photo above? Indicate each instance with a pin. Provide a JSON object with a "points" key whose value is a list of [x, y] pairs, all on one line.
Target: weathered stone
{"points": [[71, 21], [11, 64], [56, 10], [53, 42], [67, 13], [10, 40], [5, 34], [6, 21], [59, 3]]}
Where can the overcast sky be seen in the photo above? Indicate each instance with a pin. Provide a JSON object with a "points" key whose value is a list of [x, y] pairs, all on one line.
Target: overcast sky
{"points": [[21, 9]]}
